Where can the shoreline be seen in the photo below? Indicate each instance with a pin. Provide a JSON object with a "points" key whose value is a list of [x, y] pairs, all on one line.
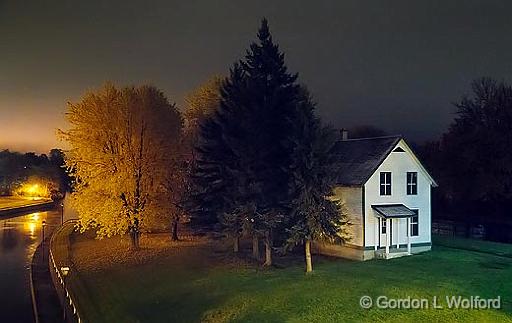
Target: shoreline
{"points": [[40, 205]]}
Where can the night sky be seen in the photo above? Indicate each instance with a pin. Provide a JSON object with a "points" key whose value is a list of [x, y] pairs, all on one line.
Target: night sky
{"points": [[394, 64]]}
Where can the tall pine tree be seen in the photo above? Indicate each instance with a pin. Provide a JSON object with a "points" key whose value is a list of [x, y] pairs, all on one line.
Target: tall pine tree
{"points": [[243, 170]]}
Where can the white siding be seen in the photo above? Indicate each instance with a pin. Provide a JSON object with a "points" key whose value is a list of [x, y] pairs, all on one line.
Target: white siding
{"points": [[352, 204], [399, 163]]}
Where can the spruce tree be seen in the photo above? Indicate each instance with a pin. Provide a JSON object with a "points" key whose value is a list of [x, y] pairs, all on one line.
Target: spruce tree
{"points": [[244, 149], [314, 215], [273, 94]]}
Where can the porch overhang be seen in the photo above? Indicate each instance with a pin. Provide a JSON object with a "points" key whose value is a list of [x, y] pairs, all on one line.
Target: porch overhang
{"points": [[393, 211]]}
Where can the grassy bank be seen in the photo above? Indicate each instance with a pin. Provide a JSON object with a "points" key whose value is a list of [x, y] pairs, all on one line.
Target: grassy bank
{"points": [[195, 281]]}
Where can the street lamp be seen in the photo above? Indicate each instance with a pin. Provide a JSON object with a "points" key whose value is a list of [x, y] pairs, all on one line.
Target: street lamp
{"points": [[44, 224], [42, 242], [64, 271], [61, 213]]}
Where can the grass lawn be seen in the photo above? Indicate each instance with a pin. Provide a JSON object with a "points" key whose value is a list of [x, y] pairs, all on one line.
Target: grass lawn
{"points": [[196, 281], [9, 202]]}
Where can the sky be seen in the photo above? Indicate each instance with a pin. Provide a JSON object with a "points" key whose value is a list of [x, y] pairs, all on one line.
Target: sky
{"points": [[397, 65]]}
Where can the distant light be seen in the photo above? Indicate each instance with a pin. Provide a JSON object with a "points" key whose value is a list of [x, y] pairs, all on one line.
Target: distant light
{"points": [[33, 191]]}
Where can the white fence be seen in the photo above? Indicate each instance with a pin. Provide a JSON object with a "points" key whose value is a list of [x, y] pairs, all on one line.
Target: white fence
{"points": [[58, 277]]}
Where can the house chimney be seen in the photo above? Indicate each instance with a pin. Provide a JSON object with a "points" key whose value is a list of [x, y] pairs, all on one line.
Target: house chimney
{"points": [[344, 134]]}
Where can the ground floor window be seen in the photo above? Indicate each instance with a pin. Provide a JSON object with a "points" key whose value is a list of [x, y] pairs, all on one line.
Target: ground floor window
{"points": [[383, 226], [414, 225]]}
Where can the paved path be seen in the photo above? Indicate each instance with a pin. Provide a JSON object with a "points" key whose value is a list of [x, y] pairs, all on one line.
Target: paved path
{"points": [[45, 295]]}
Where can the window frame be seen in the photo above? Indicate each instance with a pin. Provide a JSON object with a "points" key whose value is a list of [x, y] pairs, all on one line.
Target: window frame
{"points": [[385, 186], [411, 187], [415, 224]]}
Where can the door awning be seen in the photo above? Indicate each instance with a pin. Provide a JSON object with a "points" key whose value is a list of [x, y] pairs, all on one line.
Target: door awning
{"points": [[392, 211]]}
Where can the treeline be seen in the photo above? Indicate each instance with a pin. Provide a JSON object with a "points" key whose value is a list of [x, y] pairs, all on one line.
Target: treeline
{"points": [[247, 158], [17, 169], [472, 161]]}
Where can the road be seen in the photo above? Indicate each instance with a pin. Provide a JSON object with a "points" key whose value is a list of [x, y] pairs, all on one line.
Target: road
{"points": [[19, 237]]}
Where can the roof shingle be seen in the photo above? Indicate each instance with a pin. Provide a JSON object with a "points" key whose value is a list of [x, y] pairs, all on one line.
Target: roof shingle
{"points": [[358, 159]]}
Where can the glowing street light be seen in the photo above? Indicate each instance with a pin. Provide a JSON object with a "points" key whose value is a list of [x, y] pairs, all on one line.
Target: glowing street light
{"points": [[61, 213], [42, 242], [64, 271]]}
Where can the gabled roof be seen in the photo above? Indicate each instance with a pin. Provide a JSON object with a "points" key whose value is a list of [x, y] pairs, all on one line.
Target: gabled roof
{"points": [[358, 159]]}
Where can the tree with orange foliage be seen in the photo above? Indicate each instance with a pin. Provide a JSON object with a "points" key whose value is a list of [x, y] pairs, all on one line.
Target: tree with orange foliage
{"points": [[122, 142]]}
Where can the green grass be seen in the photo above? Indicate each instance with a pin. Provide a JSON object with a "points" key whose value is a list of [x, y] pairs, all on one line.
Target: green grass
{"points": [[193, 285], [499, 249]]}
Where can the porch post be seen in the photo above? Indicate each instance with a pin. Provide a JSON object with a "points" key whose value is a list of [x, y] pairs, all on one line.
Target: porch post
{"points": [[387, 237], [377, 231], [398, 234], [409, 236]]}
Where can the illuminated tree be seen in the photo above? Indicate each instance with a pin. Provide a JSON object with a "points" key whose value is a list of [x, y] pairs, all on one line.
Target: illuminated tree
{"points": [[122, 142], [201, 103]]}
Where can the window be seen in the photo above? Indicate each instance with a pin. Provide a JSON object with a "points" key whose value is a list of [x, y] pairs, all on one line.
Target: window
{"points": [[383, 226], [385, 183], [412, 183], [414, 225]]}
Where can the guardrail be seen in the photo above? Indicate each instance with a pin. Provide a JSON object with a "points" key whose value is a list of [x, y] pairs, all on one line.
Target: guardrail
{"points": [[65, 297]]}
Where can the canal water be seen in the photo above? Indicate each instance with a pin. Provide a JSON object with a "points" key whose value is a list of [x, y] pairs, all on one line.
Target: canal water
{"points": [[19, 237]]}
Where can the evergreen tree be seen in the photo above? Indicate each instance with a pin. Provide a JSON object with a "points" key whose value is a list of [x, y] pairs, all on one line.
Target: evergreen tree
{"points": [[314, 216], [244, 149], [214, 177], [273, 94]]}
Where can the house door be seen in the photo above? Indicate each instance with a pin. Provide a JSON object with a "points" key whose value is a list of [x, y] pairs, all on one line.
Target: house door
{"points": [[383, 230]]}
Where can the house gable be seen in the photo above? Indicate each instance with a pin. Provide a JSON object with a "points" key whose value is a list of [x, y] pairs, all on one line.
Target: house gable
{"points": [[398, 163]]}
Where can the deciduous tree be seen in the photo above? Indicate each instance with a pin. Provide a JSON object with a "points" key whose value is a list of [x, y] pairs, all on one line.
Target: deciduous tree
{"points": [[121, 142]]}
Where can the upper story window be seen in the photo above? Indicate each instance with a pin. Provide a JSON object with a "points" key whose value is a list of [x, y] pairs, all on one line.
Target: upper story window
{"points": [[412, 183], [385, 183]]}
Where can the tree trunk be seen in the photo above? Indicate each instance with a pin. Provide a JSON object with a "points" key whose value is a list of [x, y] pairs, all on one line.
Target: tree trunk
{"points": [[307, 247], [174, 230], [134, 238], [268, 250], [236, 244], [255, 247]]}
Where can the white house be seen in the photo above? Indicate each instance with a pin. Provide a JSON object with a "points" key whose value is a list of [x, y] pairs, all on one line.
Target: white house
{"points": [[385, 191]]}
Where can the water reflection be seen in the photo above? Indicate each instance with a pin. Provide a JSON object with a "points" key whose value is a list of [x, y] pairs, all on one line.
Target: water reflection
{"points": [[19, 238], [10, 237], [33, 223]]}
